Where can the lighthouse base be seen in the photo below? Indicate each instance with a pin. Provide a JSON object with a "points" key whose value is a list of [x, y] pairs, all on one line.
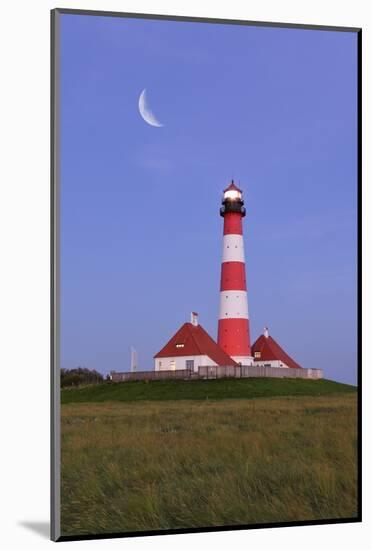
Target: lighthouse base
{"points": [[243, 359]]}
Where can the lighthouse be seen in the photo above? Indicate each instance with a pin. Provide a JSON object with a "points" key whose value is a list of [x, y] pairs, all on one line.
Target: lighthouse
{"points": [[233, 325]]}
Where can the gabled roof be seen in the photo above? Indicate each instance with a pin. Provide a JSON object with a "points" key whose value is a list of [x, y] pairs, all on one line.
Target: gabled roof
{"points": [[232, 186], [270, 350], [196, 342]]}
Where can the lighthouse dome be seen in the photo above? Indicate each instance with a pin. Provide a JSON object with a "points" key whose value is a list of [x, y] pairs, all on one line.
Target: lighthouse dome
{"points": [[232, 192]]}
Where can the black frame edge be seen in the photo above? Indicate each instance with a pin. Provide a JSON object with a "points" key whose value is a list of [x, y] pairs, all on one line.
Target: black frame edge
{"points": [[359, 267], [225, 528]]}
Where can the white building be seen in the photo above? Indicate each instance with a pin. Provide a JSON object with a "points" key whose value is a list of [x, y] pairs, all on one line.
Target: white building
{"points": [[190, 348], [268, 353]]}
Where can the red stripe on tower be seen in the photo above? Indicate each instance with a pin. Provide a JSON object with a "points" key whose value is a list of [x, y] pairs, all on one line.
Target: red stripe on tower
{"points": [[233, 276], [233, 326], [233, 224]]}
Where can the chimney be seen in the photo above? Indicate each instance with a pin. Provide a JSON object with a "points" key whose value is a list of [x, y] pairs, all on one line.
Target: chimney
{"points": [[266, 333], [194, 318]]}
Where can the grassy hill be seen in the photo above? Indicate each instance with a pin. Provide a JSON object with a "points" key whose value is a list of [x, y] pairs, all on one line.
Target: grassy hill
{"points": [[174, 390], [178, 464]]}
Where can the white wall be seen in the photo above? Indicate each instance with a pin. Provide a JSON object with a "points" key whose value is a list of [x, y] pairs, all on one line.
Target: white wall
{"points": [[180, 362], [276, 364], [243, 359]]}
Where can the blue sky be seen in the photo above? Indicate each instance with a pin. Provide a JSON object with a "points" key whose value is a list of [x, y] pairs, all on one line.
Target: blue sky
{"points": [[141, 234]]}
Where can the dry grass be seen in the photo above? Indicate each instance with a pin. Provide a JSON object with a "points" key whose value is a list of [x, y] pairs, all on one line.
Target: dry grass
{"points": [[162, 465]]}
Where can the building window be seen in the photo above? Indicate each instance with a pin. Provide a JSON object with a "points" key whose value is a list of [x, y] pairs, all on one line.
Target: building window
{"points": [[257, 354], [160, 363], [179, 345], [172, 365]]}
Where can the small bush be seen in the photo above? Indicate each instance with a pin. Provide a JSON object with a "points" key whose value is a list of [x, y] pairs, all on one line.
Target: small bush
{"points": [[79, 376]]}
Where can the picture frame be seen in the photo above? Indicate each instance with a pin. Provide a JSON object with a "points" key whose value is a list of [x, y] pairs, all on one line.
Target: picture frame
{"points": [[57, 533]]}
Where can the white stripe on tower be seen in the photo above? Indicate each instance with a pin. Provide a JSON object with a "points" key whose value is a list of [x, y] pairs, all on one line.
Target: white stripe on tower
{"points": [[233, 304], [233, 326], [233, 248]]}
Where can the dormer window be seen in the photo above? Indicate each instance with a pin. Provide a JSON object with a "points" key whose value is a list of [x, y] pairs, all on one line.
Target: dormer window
{"points": [[179, 345]]}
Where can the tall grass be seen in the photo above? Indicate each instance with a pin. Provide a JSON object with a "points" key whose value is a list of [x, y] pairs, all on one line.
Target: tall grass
{"points": [[163, 465]]}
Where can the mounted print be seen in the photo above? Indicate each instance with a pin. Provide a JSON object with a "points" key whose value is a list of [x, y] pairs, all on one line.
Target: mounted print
{"points": [[205, 274]]}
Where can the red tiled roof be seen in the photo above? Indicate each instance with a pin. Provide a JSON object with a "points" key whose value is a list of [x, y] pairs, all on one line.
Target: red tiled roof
{"points": [[196, 342], [232, 186], [270, 351]]}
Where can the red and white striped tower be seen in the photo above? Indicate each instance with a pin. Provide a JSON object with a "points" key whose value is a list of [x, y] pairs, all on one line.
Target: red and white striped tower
{"points": [[233, 326]]}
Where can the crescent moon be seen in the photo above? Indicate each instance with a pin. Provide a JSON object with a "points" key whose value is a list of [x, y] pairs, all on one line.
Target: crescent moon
{"points": [[146, 112]]}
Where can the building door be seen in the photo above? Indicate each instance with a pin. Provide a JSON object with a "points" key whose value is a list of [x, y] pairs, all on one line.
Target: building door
{"points": [[190, 364], [172, 365]]}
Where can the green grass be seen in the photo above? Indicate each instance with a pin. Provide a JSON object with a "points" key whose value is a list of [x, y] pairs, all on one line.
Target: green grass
{"points": [[173, 390], [167, 465]]}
